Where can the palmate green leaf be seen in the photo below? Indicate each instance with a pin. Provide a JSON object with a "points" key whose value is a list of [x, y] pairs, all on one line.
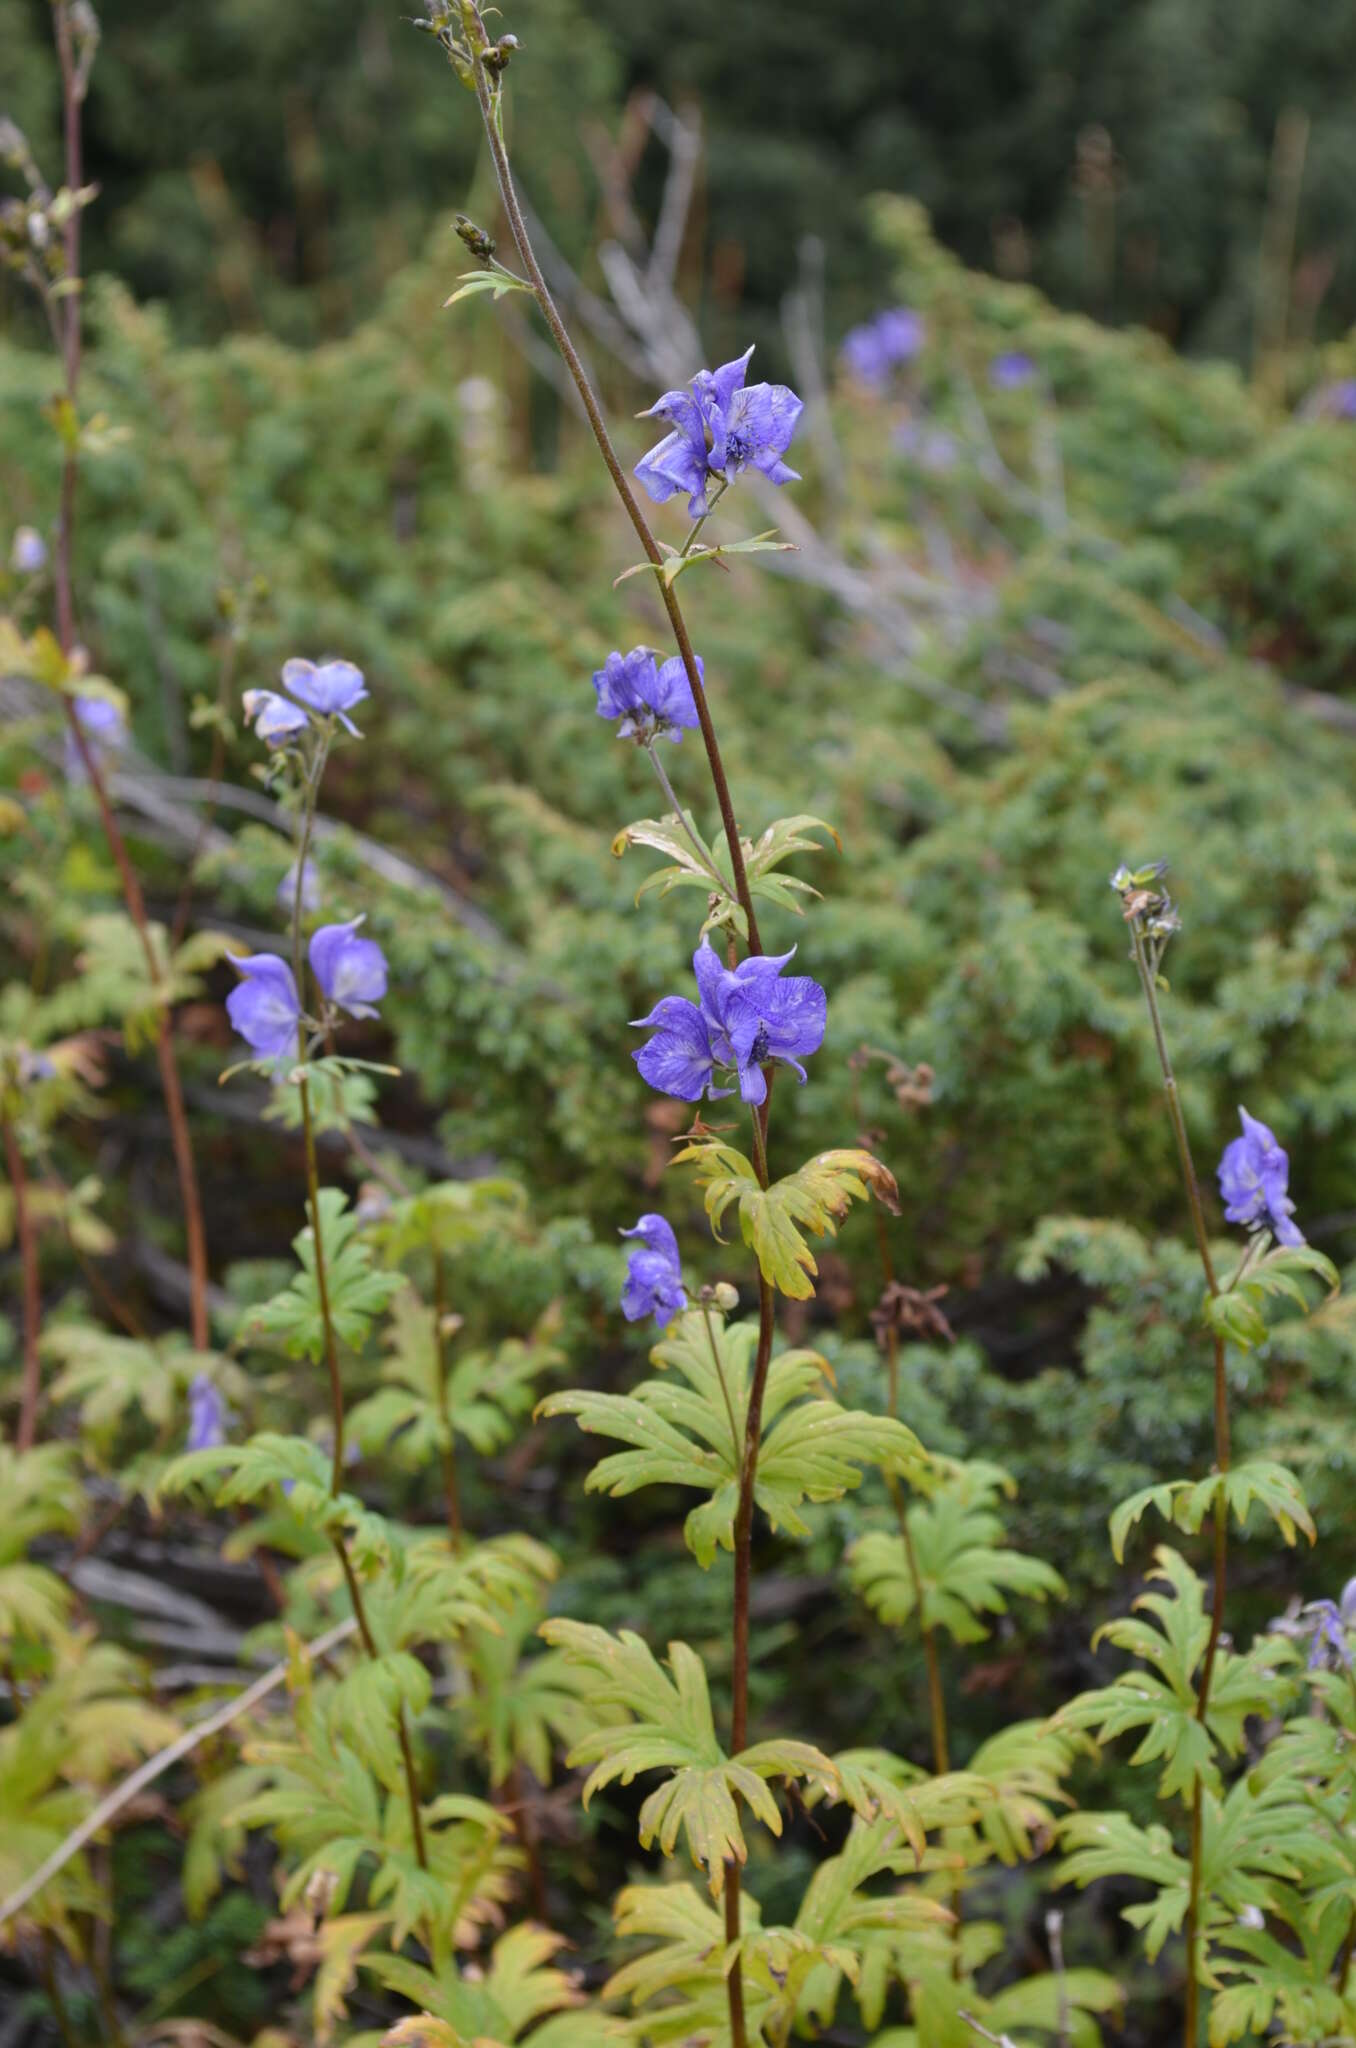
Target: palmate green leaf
{"points": [[1236, 1314], [1248, 1841], [675, 564], [40, 1495], [1162, 1700], [357, 1290], [294, 1468], [115, 1378], [670, 1728], [497, 282], [327, 1809], [709, 868], [484, 1392], [877, 1784], [817, 1196], [115, 981], [436, 1595], [686, 1968], [451, 1215], [1187, 1503], [963, 1572], [692, 1434], [518, 1989], [1290, 1982], [366, 1705], [1022, 1766], [840, 1923], [520, 1708]]}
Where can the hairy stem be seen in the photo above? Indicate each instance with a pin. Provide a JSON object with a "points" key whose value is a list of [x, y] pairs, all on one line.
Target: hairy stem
{"points": [[32, 1295], [1148, 982], [63, 578]]}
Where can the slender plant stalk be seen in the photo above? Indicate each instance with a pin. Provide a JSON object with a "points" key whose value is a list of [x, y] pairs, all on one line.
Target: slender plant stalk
{"points": [[310, 792], [31, 1385], [63, 577], [1144, 967], [487, 94]]}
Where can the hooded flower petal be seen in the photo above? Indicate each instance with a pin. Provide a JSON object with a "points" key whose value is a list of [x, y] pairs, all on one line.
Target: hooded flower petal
{"points": [[677, 1060], [1254, 1176], [274, 720], [720, 428], [265, 1009], [330, 687], [654, 1278], [351, 971], [653, 700]]}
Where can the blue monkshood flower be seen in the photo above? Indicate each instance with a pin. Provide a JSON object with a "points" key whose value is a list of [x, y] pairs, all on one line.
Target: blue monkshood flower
{"points": [[746, 1016], [208, 1415], [1341, 399], [274, 720], [874, 349], [104, 728], [1254, 1174], [1331, 1621], [265, 1009], [351, 971], [653, 699], [720, 427], [1011, 371], [330, 687], [28, 554], [654, 1274]]}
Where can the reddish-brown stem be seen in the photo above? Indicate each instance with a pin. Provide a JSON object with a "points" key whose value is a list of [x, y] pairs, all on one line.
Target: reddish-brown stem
{"points": [[487, 93], [32, 1293], [63, 577], [941, 1748]]}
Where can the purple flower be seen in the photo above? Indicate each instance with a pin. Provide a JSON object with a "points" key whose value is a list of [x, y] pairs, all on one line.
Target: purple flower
{"points": [[654, 1274], [1331, 1621], [873, 350], [330, 687], [105, 729], [1254, 1173], [1341, 399], [745, 1017], [275, 721], [28, 555], [1011, 371], [653, 699], [265, 1009], [208, 1415], [351, 971], [719, 428]]}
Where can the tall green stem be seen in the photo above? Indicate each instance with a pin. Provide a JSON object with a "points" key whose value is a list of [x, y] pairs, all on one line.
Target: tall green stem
{"points": [[311, 790], [487, 94], [1148, 982]]}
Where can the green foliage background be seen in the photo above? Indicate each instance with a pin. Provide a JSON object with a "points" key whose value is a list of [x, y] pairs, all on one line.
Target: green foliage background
{"points": [[383, 479]]}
